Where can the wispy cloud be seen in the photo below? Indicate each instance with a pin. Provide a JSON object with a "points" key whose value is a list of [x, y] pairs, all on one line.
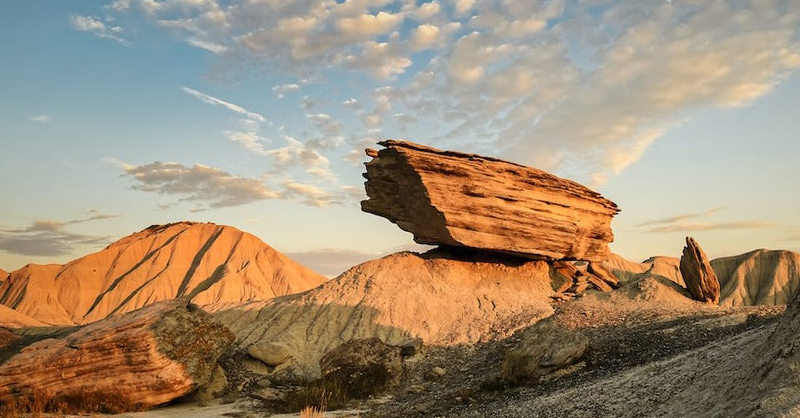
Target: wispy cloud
{"points": [[230, 106], [50, 237], [40, 118], [678, 218], [691, 227], [199, 183], [97, 28]]}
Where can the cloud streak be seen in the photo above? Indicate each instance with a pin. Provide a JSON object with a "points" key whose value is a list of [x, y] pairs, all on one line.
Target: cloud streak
{"points": [[97, 28], [50, 238], [678, 218], [710, 226], [230, 106]]}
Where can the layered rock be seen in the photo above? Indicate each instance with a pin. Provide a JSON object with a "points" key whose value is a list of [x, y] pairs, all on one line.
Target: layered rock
{"points": [[212, 265], [141, 359], [465, 200], [697, 273], [441, 297], [3, 275]]}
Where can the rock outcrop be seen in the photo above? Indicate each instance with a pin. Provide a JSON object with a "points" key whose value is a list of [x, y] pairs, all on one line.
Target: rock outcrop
{"points": [[465, 200], [697, 273], [760, 277], [3, 275], [138, 360], [361, 367], [214, 266], [441, 297], [542, 349]]}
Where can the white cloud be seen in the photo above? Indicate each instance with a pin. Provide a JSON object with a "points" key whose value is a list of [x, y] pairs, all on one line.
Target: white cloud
{"points": [[380, 59], [281, 90], [367, 25], [232, 107], [424, 36], [96, 27], [208, 46], [199, 183], [40, 118]]}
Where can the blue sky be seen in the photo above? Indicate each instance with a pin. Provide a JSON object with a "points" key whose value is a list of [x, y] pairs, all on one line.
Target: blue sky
{"points": [[125, 113]]}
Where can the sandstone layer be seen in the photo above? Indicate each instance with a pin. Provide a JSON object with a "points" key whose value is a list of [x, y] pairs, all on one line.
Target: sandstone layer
{"points": [[206, 263], [698, 274], [141, 359], [443, 298], [465, 200], [3, 275]]}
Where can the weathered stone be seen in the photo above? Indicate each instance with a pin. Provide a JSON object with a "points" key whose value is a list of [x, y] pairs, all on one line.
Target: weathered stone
{"points": [[466, 200], [7, 337], [410, 347], [598, 283], [541, 349], [563, 275], [603, 274], [140, 359], [270, 354], [697, 273], [361, 367]]}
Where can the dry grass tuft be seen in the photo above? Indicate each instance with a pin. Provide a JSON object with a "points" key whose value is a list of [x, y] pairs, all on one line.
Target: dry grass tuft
{"points": [[37, 402]]}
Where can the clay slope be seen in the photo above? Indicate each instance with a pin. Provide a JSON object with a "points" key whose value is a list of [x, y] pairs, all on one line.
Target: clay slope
{"points": [[206, 263], [3, 275], [441, 298], [659, 266], [10, 318], [760, 277]]}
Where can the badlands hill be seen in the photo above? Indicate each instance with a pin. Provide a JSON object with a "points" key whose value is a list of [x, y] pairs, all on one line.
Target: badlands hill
{"points": [[760, 277], [10, 318], [211, 265], [3, 275], [441, 297]]}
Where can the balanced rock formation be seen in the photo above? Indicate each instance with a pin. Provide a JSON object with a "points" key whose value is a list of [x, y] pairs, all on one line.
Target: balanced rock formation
{"points": [[466, 200], [760, 277], [697, 273], [141, 359], [442, 297], [214, 266]]}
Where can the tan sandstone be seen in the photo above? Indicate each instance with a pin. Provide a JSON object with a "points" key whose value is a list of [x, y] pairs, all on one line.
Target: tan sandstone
{"points": [[467, 200], [141, 359]]}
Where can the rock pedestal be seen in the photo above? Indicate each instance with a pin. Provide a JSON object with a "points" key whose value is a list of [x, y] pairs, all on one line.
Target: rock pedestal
{"points": [[466, 200], [697, 273]]}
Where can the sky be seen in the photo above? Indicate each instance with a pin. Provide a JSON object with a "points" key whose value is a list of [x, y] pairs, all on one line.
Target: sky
{"points": [[120, 114]]}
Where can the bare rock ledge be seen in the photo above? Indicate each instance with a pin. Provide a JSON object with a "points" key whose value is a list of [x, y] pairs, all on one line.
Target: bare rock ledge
{"points": [[466, 200]]}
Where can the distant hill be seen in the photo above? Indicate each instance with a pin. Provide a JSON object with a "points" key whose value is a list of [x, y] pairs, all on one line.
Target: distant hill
{"points": [[213, 265], [760, 277]]}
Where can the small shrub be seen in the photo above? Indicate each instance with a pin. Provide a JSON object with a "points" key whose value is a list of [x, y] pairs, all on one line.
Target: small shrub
{"points": [[41, 401]]}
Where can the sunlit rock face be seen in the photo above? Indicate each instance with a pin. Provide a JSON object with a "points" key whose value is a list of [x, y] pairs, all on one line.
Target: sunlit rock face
{"points": [[698, 274], [466, 200], [212, 265], [137, 360]]}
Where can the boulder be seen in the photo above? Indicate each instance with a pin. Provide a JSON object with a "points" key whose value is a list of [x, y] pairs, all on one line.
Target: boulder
{"points": [[361, 367], [697, 273], [542, 349], [466, 200], [271, 354], [138, 360]]}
